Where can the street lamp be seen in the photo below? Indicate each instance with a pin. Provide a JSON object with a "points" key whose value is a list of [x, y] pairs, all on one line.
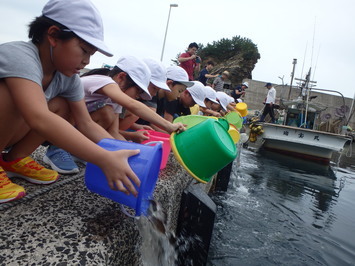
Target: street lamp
{"points": [[166, 30]]}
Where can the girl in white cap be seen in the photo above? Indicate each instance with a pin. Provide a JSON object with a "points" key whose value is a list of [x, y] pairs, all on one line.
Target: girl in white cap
{"points": [[39, 87], [158, 82], [209, 102], [227, 102], [184, 94], [128, 81]]}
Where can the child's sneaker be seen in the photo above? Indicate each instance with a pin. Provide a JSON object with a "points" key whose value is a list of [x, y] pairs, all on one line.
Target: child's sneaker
{"points": [[60, 160], [8, 190], [78, 160], [30, 170]]}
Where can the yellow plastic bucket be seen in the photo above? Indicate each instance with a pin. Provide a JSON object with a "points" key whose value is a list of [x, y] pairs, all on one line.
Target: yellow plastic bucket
{"points": [[234, 133], [242, 108]]}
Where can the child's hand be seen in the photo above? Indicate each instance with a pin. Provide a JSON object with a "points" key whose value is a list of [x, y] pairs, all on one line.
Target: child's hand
{"points": [[118, 172], [140, 127], [216, 114], [139, 136], [146, 127], [178, 127]]}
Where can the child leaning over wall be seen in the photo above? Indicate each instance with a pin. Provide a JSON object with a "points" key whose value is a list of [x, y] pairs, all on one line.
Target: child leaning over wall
{"points": [[39, 88]]}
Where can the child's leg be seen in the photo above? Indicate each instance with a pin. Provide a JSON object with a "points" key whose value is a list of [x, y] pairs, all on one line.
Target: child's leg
{"points": [[12, 124], [108, 119], [128, 120], [104, 116], [59, 159], [24, 145]]}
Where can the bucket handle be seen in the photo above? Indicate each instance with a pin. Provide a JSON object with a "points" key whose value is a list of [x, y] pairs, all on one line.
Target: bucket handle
{"points": [[123, 209], [154, 142]]}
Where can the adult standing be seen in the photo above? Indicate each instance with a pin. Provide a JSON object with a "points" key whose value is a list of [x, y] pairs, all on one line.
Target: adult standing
{"points": [[190, 61], [218, 82], [269, 103], [205, 73]]}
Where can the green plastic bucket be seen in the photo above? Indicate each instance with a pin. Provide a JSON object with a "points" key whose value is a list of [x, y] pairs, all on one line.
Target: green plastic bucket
{"points": [[204, 149], [224, 122], [235, 119], [192, 120]]}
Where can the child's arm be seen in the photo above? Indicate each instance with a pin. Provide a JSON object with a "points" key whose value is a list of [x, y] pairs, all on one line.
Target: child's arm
{"points": [[112, 91], [168, 117], [209, 112], [135, 136], [29, 99], [136, 126]]}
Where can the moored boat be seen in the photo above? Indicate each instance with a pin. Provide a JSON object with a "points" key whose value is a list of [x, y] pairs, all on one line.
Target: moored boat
{"points": [[300, 131], [302, 142]]}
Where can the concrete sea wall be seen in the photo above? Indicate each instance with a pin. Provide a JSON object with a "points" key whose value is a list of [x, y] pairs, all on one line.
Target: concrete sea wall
{"points": [[65, 224]]}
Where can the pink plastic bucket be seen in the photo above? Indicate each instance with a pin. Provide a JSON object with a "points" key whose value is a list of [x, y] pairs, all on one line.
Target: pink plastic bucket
{"points": [[165, 138]]}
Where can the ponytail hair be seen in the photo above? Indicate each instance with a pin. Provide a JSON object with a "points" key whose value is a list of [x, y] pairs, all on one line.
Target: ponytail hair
{"points": [[111, 73]]}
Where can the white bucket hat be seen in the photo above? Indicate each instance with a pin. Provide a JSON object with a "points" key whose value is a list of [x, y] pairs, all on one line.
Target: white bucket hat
{"points": [[158, 72], [224, 99], [178, 74], [80, 17], [138, 71], [246, 84], [198, 93], [211, 94]]}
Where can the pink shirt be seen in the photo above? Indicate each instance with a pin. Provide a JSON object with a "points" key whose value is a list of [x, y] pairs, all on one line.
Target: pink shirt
{"points": [[188, 65]]}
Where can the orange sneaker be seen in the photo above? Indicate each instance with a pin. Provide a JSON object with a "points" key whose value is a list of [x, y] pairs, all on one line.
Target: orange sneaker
{"points": [[8, 190], [30, 170]]}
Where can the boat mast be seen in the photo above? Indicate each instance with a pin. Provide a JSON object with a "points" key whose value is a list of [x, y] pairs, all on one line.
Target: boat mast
{"points": [[292, 75], [307, 86]]}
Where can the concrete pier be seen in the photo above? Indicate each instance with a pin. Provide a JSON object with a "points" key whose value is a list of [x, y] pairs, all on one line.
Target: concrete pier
{"points": [[65, 224]]}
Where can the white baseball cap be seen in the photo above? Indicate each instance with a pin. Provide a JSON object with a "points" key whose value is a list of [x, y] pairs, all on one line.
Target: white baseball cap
{"points": [[138, 71], [246, 84], [224, 99], [178, 74], [197, 91], [158, 72], [211, 94], [80, 17]]}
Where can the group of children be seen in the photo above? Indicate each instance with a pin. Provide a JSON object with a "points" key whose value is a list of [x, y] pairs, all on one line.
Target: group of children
{"points": [[44, 101]]}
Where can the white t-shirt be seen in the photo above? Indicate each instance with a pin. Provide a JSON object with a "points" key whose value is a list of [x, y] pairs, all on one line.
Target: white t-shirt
{"points": [[93, 83], [21, 60], [271, 96]]}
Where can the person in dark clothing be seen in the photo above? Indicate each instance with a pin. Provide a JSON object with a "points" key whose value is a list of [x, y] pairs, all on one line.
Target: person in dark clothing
{"points": [[205, 73], [239, 91], [186, 99]]}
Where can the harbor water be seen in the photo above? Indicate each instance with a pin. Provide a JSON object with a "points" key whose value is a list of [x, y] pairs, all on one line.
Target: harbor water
{"points": [[280, 210]]}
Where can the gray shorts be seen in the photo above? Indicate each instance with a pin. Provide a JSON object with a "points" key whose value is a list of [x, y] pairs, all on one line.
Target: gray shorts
{"points": [[96, 105]]}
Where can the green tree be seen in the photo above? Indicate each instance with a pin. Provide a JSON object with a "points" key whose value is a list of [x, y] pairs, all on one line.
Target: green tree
{"points": [[225, 49]]}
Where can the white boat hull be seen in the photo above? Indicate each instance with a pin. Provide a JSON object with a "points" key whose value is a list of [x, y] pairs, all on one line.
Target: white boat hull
{"points": [[303, 142]]}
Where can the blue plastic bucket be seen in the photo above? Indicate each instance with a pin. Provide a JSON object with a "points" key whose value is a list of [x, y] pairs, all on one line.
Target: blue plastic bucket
{"points": [[145, 165]]}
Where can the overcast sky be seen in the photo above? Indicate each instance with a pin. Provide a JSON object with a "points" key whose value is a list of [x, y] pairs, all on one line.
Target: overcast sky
{"points": [[319, 33]]}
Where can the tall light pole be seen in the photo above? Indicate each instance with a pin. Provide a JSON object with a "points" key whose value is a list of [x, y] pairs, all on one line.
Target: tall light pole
{"points": [[166, 30]]}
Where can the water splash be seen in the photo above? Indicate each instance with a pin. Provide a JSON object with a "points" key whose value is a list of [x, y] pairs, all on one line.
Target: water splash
{"points": [[158, 245]]}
